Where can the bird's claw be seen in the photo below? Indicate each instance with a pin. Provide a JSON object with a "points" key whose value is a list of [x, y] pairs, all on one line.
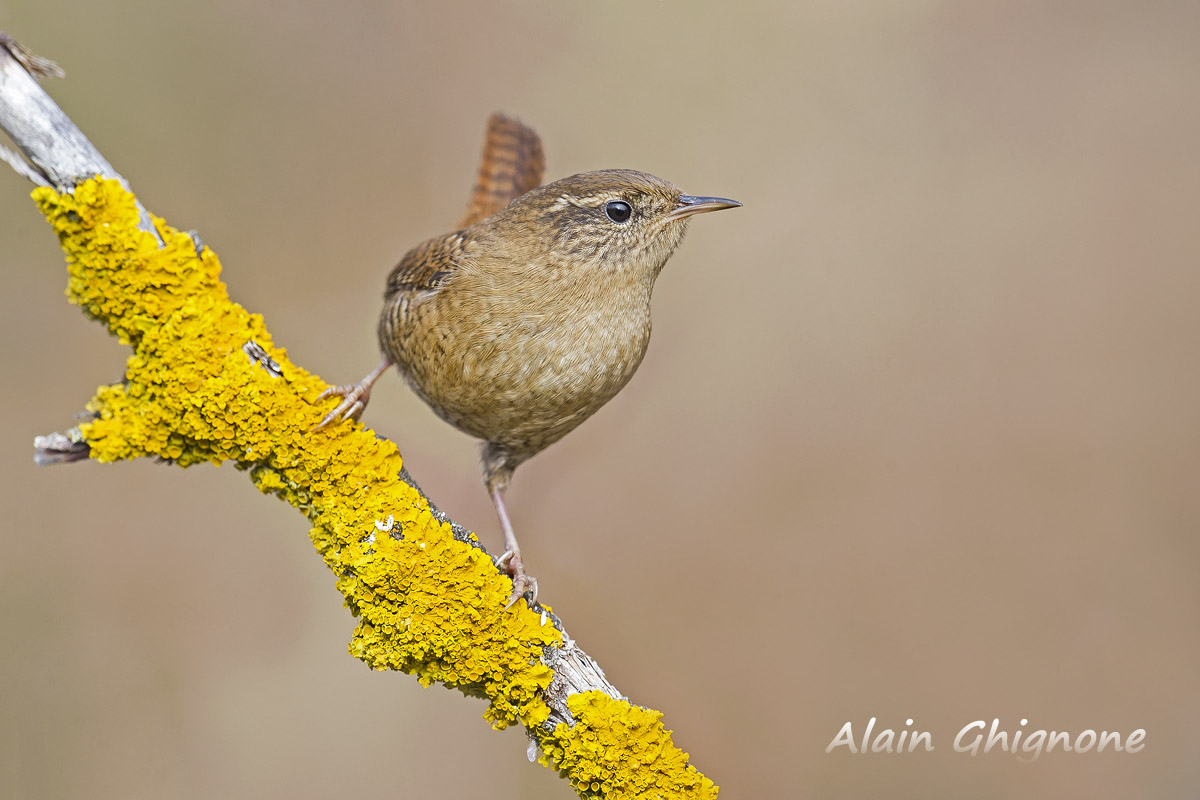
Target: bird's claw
{"points": [[523, 584], [355, 400]]}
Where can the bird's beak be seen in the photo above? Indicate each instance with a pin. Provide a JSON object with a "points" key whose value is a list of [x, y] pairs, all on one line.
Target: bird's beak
{"points": [[689, 205]]}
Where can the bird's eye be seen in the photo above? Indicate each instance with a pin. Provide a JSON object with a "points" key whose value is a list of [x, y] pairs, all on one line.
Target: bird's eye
{"points": [[618, 211]]}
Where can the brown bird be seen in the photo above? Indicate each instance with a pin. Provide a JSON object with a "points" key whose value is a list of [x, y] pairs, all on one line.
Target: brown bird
{"points": [[521, 325]]}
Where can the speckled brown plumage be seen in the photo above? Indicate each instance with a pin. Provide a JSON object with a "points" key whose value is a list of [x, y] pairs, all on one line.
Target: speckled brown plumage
{"points": [[519, 326]]}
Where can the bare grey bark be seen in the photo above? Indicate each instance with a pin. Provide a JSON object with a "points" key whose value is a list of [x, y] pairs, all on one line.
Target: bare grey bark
{"points": [[60, 448], [61, 156], [57, 150]]}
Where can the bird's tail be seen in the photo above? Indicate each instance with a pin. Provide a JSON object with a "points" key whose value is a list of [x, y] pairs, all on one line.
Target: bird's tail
{"points": [[512, 163]]}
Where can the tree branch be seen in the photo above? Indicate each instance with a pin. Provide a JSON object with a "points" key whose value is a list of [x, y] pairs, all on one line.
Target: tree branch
{"points": [[205, 382]]}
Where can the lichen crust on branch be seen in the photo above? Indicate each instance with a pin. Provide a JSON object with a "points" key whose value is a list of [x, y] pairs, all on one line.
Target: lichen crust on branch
{"points": [[429, 602], [600, 754]]}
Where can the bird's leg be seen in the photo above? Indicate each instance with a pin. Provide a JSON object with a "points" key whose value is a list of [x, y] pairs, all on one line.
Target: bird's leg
{"points": [[355, 396], [511, 561]]}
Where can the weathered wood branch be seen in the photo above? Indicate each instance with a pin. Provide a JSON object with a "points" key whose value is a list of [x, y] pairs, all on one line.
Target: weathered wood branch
{"points": [[57, 150], [206, 383]]}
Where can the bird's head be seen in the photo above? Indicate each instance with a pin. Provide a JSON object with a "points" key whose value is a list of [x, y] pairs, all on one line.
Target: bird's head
{"points": [[617, 220]]}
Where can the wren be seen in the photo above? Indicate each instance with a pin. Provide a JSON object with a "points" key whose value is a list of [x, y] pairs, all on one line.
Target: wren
{"points": [[523, 323]]}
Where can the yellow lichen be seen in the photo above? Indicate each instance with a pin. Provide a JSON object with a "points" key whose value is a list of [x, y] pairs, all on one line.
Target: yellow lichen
{"points": [[428, 603], [620, 751]]}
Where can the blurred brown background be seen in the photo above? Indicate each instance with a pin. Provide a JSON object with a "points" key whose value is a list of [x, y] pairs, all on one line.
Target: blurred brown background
{"points": [[918, 434]]}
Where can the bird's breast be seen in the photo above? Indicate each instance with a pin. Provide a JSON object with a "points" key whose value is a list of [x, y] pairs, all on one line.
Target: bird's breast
{"points": [[519, 372]]}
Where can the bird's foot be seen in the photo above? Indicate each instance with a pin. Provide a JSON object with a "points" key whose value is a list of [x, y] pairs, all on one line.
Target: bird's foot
{"points": [[523, 584], [355, 397]]}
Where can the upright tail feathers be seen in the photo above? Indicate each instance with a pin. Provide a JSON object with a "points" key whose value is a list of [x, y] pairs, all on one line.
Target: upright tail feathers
{"points": [[512, 163]]}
